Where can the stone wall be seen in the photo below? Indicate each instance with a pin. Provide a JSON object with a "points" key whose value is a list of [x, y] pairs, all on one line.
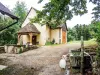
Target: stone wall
{"points": [[18, 48], [2, 50]]}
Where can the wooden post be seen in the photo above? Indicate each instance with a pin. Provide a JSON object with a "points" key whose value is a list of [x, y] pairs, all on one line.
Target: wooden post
{"points": [[30, 34], [82, 55], [19, 39]]}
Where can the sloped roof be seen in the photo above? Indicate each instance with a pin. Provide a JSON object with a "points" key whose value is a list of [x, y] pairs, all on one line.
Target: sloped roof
{"points": [[29, 28], [4, 10], [63, 26], [29, 12]]}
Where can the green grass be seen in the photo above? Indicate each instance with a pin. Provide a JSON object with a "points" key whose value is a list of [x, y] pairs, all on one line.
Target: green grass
{"points": [[73, 42], [90, 42], [87, 43], [52, 44]]}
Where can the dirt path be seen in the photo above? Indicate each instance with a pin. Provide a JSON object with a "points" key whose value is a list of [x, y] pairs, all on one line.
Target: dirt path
{"points": [[41, 61]]}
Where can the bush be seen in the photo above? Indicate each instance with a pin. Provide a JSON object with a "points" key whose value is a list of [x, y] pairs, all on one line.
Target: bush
{"points": [[48, 43], [19, 50], [53, 41], [98, 41], [98, 55]]}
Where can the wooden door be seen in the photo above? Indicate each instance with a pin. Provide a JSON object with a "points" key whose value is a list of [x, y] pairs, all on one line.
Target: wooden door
{"points": [[34, 40]]}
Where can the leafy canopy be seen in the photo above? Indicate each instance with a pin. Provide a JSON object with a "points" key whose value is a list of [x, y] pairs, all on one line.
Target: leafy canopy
{"points": [[9, 36], [20, 11], [87, 31], [56, 12]]}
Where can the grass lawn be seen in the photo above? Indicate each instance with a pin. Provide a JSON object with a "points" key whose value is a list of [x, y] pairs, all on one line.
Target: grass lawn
{"points": [[53, 44], [90, 42], [86, 43]]}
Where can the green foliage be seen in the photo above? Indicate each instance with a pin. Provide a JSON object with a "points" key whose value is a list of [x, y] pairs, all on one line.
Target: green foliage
{"points": [[20, 11], [96, 10], [93, 30], [53, 41], [20, 50], [98, 53], [97, 35], [70, 35], [48, 43], [9, 36], [79, 30], [56, 12], [96, 13], [40, 1], [98, 39]]}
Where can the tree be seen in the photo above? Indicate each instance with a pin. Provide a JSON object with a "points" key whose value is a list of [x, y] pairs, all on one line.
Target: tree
{"points": [[96, 10], [9, 36], [98, 41], [79, 30], [20, 11], [70, 35], [57, 12], [93, 29]]}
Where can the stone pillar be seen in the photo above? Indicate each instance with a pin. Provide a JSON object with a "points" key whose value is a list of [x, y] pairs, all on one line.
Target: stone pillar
{"points": [[30, 34]]}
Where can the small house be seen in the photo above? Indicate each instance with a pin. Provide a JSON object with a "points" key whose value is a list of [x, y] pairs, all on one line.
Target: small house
{"points": [[40, 34]]}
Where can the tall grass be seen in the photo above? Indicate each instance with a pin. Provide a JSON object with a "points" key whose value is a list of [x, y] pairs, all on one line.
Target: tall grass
{"points": [[87, 43]]}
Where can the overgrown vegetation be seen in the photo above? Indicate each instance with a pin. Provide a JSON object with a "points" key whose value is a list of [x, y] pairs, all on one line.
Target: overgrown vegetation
{"points": [[9, 36], [87, 31], [50, 43], [98, 41], [56, 12], [91, 42]]}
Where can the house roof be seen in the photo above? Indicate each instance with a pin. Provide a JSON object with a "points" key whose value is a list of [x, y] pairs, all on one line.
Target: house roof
{"points": [[63, 26], [29, 28], [4, 10], [29, 12]]}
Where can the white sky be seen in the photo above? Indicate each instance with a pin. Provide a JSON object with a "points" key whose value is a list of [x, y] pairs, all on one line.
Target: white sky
{"points": [[85, 19]]}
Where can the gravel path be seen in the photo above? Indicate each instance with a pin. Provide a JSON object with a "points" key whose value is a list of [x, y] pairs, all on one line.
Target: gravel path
{"points": [[41, 61]]}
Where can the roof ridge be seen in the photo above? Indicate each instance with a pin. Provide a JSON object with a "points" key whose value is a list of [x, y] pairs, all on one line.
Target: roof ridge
{"points": [[29, 28], [29, 12]]}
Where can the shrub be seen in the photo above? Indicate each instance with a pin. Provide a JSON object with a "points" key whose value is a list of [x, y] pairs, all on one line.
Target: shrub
{"points": [[48, 43], [53, 41]]}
